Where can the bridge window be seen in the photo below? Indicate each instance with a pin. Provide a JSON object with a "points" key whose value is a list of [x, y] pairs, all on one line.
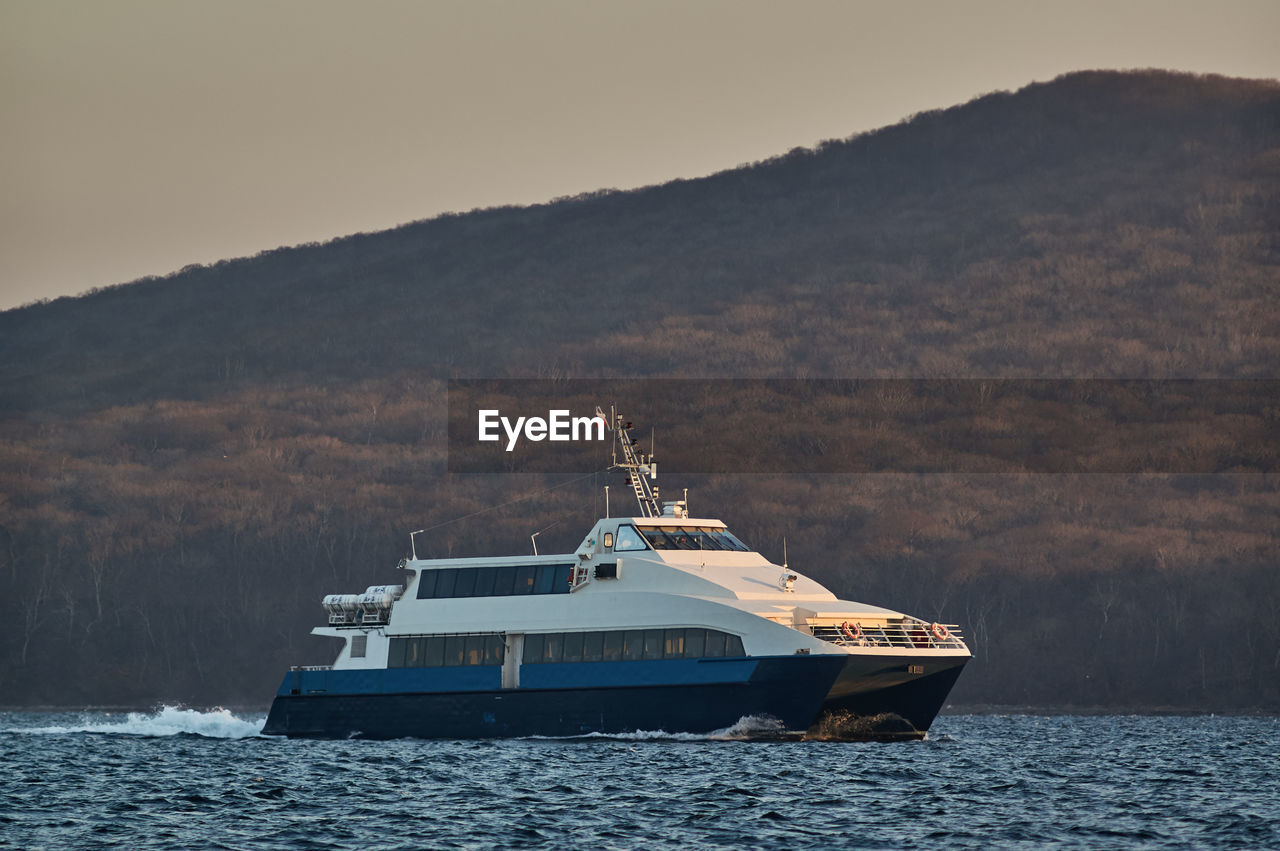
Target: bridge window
{"points": [[629, 540], [691, 538]]}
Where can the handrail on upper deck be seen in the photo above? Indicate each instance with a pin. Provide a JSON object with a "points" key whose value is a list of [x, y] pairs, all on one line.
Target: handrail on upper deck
{"points": [[912, 633]]}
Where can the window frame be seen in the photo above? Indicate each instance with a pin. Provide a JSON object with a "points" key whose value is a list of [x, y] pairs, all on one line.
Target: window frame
{"points": [[630, 529]]}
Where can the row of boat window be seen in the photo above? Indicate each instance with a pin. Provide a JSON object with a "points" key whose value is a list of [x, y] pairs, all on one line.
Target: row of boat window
{"points": [[630, 645], [443, 651], [676, 538], [446, 651], [507, 581]]}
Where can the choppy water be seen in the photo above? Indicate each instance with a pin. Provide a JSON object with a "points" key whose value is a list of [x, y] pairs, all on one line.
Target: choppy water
{"points": [[184, 779]]}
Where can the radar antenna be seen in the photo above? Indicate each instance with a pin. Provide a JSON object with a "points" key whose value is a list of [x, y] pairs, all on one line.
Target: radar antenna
{"points": [[641, 469]]}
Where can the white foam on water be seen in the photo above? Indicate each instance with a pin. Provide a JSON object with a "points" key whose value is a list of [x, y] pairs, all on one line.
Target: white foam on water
{"points": [[165, 721], [752, 727], [746, 728]]}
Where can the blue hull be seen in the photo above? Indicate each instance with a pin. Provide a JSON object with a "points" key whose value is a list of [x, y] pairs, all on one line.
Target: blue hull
{"points": [[693, 696]]}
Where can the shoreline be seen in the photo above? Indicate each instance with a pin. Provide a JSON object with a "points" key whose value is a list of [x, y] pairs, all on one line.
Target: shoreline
{"points": [[1087, 711], [948, 710]]}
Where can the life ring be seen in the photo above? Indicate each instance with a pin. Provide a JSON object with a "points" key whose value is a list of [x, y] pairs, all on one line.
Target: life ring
{"points": [[939, 632], [852, 634]]}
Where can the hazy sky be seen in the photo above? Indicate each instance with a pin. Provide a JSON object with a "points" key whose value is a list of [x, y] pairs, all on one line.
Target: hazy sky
{"points": [[137, 137]]}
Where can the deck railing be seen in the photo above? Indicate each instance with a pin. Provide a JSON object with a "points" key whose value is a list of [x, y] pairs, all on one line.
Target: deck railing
{"points": [[908, 634]]}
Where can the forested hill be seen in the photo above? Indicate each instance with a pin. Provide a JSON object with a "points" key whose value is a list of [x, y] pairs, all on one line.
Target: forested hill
{"points": [[1101, 224], [188, 463]]}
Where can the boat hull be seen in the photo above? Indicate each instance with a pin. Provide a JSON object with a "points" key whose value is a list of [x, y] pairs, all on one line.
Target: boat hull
{"points": [[789, 694]]}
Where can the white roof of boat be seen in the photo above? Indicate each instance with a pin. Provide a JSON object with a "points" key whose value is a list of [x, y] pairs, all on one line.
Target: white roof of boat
{"points": [[666, 520]]}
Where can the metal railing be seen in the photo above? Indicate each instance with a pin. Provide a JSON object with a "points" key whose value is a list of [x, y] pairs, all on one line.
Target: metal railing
{"points": [[911, 634]]}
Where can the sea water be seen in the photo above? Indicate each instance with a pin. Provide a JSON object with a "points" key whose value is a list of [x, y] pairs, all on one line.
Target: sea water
{"points": [[182, 779]]}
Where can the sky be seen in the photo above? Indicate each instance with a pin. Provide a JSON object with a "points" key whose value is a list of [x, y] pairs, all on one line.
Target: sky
{"points": [[139, 136]]}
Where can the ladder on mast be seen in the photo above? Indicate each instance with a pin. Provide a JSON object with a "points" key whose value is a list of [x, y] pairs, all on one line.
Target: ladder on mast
{"points": [[641, 469]]}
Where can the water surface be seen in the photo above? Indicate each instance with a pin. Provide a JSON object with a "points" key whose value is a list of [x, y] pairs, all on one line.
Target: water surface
{"points": [[183, 779]]}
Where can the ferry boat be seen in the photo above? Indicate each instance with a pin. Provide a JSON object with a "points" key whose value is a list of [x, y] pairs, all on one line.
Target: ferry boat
{"points": [[656, 622]]}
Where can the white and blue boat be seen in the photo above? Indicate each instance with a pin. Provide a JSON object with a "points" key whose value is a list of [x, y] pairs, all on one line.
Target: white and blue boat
{"points": [[656, 622]]}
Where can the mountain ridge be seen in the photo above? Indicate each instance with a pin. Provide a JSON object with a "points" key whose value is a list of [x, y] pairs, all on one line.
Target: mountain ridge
{"points": [[918, 199]]}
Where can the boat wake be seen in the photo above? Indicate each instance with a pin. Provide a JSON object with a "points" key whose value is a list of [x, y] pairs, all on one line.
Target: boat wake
{"points": [[165, 721], [747, 728], [842, 726]]}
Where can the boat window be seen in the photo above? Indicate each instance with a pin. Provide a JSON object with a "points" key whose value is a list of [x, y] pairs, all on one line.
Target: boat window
{"points": [[628, 540], [427, 584], [630, 645], [433, 653], [730, 541], [454, 649], [504, 581], [658, 540], [691, 538], [633, 645], [452, 582], [485, 578], [653, 644], [495, 650], [466, 582], [695, 642], [413, 653], [474, 654], [702, 539], [402, 654], [553, 647], [573, 642], [673, 644], [395, 654], [592, 646], [561, 583], [615, 645], [612, 646], [533, 648], [608, 540]]}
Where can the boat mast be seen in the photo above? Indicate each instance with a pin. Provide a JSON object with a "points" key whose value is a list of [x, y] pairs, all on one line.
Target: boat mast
{"points": [[641, 469]]}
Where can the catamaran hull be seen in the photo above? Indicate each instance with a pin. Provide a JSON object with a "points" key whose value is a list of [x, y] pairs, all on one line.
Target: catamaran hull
{"points": [[787, 694]]}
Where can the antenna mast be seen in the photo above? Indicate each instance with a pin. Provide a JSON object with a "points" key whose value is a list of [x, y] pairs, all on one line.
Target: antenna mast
{"points": [[641, 469]]}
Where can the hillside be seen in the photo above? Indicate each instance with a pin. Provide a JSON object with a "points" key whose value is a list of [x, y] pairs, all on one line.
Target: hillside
{"points": [[190, 462]]}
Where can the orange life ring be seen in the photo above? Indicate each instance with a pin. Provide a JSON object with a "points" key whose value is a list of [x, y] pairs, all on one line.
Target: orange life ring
{"points": [[939, 632], [852, 634]]}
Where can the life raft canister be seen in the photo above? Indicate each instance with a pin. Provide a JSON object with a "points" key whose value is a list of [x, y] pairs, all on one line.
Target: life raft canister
{"points": [[853, 632]]}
